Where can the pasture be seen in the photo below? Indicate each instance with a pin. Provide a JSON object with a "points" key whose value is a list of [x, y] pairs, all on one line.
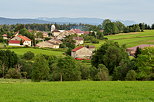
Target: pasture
{"points": [[131, 39], [21, 51], [79, 91]]}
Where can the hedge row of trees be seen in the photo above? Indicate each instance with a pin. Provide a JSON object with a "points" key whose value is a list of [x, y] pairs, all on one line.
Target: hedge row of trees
{"points": [[109, 62]]}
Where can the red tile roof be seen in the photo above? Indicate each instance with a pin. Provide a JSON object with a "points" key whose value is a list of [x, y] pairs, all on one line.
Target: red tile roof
{"points": [[78, 48], [5, 35], [24, 38], [77, 31], [14, 42]]}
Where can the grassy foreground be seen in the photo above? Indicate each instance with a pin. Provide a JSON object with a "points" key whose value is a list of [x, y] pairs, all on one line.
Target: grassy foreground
{"points": [[82, 91]]}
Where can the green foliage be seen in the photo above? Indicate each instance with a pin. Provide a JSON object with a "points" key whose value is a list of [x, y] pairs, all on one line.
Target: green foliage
{"points": [[105, 22], [138, 52], [111, 28], [67, 69], [13, 73], [91, 39], [110, 54], [145, 65], [131, 75], [40, 69], [103, 73], [28, 55]]}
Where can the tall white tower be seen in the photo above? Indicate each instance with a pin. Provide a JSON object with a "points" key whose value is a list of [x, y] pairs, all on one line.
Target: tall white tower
{"points": [[53, 28]]}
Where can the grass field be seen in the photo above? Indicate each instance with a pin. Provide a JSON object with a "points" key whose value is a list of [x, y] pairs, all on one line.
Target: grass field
{"points": [[131, 39], [21, 51], [82, 91]]}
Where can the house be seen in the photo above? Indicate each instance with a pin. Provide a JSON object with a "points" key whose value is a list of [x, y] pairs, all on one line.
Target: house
{"points": [[132, 50], [17, 40], [4, 36], [45, 34], [56, 32], [78, 40], [81, 52], [77, 31], [53, 43]]}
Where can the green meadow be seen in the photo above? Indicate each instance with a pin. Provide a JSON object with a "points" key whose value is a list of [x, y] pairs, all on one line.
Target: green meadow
{"points": [[79, 91], [131, 39], [21, 51]]}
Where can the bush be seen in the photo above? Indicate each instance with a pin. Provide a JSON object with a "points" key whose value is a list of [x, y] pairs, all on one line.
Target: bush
{"points": [[131, 75], [28, 55], [13, 73]]}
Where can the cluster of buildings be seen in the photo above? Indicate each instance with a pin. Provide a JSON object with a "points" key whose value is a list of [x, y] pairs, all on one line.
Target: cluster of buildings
{"points": [[79, 53]]}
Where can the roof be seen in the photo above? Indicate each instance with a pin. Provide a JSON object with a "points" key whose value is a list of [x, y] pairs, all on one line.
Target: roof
{"points": [[140, 46], [77, 31], [78, 48], [4, 35], [78, 38], [56, 30], [24, 38], [14, 41]]}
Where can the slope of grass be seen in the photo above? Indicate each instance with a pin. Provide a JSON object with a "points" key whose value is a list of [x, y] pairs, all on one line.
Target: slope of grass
{"points": [[131, 39], [83, 91], [21, 51]]}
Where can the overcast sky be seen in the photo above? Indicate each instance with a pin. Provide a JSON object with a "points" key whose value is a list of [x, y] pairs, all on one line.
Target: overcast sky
{"points": [[136, 10]]}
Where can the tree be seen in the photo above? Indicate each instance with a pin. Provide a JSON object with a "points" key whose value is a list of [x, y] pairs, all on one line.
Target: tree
{"points": [[106, 21], [68, 69], [138, 51], [152, 27], [8, 60], [144, 63], [111, 28], [120, 26], [40, 69], [103, 73], [131, 75], [110, 54], [142, 26], [28, 55], [39, 35]]}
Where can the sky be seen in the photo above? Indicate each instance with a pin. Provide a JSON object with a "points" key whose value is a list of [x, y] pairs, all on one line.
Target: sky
{"points": [[136, 10]]}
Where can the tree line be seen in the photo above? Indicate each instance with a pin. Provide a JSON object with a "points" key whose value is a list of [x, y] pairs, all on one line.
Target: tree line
{"points": [[109, 62]]}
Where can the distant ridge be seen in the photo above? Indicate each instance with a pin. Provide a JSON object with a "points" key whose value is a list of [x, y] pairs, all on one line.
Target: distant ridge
{"points": [[84, 20], [61, 20], [21, 21]]}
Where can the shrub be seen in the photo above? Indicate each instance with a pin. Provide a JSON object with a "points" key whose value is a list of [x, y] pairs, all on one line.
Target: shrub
{"points": [[131, 75], [28, 55], [13, 73]]}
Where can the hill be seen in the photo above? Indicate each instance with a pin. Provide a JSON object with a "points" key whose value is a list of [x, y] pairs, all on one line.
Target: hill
{"points": [[62, 20], [21, 21], [84, 20]]}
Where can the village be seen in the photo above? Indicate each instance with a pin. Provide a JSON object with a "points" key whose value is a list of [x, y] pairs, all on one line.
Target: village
{"points": [[55, 40]]}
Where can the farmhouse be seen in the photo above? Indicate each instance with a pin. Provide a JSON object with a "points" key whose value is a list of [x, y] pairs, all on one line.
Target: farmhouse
{"points": [[132, 50], [56, 32], [78, 40], [53, 43], [77, 31], [81, 52], [16, 41], [4, 36]]}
